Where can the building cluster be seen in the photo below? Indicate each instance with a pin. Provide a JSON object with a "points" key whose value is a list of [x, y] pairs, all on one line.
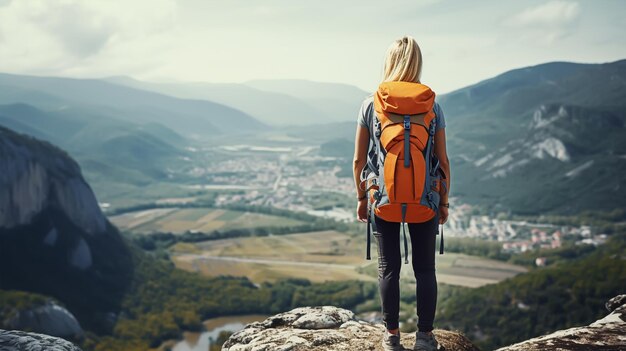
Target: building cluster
{"points": [[539, 239], [291, 178], [288, 180], [517, 236]]}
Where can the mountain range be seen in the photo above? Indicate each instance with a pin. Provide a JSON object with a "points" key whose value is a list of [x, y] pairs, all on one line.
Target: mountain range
{"points": [[62, 262], [526, 140], [274, 102], [549, 138], [106, 147], [546, 138], [195, 119], [65, 270]]}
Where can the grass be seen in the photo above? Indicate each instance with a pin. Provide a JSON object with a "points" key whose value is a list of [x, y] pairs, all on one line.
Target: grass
{"points": [[320, 256], [459, 269], [268, 271], [120, 194], [317, 256], [180, 220], [229, 216], [322, 247], [188, 214]]}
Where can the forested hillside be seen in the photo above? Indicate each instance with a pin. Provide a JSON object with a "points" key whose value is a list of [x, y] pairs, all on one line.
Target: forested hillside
{"points": [[543, 300]]}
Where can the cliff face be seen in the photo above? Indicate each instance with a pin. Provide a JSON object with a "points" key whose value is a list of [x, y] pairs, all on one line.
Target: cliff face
{"points": [[325, 328], [54, 239], [36, 176]]}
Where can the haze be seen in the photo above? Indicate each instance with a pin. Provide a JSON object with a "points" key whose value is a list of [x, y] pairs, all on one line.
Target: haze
{"points": [[236, 41]]}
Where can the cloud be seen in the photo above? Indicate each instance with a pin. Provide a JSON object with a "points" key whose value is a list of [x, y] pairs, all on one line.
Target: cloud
{"points": [[546, 23], [81, 30], [239, 40], [549, 14], [80, 36]]}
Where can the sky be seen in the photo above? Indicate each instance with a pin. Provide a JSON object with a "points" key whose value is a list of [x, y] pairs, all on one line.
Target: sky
{"points": [[463, 42]]}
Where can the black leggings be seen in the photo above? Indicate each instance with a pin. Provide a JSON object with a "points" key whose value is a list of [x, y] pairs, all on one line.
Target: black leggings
{"points": [[423, 237]]}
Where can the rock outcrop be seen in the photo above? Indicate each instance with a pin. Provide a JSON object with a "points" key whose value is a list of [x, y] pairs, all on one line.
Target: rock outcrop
{"points": [[325, 328], [14, 340], [54, 239], [608, 333], [35, 175], [328, 328], [49, 319]]}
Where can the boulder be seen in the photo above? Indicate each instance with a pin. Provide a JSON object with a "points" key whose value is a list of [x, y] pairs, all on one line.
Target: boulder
{"points": [[325, 328], [50, 319], [14, 340]]}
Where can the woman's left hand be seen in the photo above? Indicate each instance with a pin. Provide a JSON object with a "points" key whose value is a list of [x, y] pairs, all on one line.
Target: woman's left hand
{"points": [[443, 214], [361, 210]]}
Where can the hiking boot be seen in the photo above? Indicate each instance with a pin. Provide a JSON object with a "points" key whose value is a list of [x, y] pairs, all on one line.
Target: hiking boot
{"points": [[391, 342], [425, 342]]}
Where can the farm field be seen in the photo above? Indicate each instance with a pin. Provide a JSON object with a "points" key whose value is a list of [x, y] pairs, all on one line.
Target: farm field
{"points": [[317, 256], [321, 256], [180, 220]]}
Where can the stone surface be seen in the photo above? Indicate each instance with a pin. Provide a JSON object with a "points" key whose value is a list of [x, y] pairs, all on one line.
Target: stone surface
{"points": [[324, 328], [14, 340], [616, 302], [54, 239], [608, 333], [50, 319], [34, 175]]}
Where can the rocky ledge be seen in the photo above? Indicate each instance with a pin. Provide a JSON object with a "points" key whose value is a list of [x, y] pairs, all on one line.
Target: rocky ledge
{"points": [[49, 319], [608, 333], [325, 328], [14, 340]]}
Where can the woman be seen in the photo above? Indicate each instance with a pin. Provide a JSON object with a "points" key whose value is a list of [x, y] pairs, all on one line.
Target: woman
{"points": [[403, 63]]}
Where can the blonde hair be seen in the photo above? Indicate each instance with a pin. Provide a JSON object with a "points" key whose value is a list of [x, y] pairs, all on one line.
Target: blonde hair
{"points": [[403, 61]]}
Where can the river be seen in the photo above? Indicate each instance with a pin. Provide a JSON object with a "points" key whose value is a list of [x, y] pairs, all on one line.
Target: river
{"points": [[202, 341]]}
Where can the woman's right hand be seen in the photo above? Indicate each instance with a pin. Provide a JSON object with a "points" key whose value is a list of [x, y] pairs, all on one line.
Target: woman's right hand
{"points": [[443, 214], [361, 210]]}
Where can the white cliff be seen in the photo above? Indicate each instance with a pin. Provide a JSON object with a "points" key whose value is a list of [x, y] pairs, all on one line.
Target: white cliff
{"points": [[36, 176]]}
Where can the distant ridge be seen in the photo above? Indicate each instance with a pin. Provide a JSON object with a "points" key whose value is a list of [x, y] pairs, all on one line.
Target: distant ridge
{"points": [[107, 147], [192, 118], [275, 102], [515, 138]]}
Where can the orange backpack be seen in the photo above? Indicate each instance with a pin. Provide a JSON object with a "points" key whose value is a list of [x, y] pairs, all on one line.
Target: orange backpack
{"points": [[402, 175]]}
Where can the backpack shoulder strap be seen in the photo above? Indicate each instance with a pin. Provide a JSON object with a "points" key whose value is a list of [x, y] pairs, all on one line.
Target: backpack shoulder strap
{"points": [[374, 126]]}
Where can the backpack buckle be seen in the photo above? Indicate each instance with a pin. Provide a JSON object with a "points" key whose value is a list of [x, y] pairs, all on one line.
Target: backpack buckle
{"points": [[431, 130], [429, 198], [377, 195], [407, 122]]}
